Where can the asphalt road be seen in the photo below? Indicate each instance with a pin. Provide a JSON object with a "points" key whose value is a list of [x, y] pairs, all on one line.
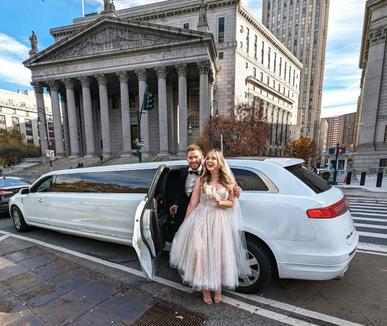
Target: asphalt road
{"points": [[360, 297]]}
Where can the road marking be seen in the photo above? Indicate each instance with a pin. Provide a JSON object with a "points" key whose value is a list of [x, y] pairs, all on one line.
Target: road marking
{"points": [[372, 247], [372, 226], [297, 310], [372, 253], [5, 236], [236, 303], [372, 235], [366, 214], [369, 219]]}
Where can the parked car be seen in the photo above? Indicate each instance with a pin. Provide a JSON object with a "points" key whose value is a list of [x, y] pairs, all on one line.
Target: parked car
{"points": [[296, 225], [8, 187]]}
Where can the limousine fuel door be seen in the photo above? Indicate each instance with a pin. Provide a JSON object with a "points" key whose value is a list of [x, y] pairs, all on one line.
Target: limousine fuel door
{"points": [[147, 236]]}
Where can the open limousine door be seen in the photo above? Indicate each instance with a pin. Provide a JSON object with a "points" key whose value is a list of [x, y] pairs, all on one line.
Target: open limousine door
{"points": [[147, 236]]}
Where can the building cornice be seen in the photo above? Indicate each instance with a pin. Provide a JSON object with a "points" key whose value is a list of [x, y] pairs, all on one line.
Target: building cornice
{"points": [[264, 31], [370, 6], [147, 12], [256, 82]]}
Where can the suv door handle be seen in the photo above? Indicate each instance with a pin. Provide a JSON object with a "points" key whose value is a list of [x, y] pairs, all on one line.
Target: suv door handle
{"points": [[41, 201]]}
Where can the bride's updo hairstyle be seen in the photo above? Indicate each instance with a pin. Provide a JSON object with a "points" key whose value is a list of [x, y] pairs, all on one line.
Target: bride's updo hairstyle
{"points": [[225, 179]]}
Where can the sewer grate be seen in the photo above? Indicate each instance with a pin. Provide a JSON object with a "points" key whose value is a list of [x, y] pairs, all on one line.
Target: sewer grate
{"points": [[166, 314]]}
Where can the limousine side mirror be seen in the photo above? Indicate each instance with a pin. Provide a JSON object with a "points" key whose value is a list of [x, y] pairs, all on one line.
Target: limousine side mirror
{"points": [[25, 191]]}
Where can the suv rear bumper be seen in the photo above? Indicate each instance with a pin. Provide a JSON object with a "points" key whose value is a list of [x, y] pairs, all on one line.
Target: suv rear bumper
{"points": [[308, 267]]}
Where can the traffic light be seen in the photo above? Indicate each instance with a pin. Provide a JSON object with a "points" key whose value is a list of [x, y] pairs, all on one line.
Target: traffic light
{"points": [[149, 101]]}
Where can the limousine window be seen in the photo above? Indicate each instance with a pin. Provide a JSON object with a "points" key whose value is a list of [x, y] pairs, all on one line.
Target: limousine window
{"points": [[42, 186], [132, 181], [249, 180]]}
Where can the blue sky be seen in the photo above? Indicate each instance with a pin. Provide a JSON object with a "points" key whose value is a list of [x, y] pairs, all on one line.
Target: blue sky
{"points": [[19, 17]]}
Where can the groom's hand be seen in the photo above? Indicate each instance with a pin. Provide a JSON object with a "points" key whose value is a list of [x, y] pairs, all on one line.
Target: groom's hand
{"points": [[173, 210], [237, 191]]}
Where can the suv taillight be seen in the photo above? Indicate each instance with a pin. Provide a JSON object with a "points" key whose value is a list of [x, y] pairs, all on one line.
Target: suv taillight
{"points": [[5, 193], [332, 211]]}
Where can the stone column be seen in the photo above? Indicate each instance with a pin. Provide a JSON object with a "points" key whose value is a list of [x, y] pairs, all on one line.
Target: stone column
{"points": [[142, 76], [125, 114], [42, 126], [182, 110], [54, 88], [88, 116], [104, 109], [66, 134], [204, 68], [163, 114], [72, 116]]}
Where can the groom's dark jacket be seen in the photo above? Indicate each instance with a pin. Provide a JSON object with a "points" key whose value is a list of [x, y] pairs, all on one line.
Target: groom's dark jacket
{"points": [[181, 199]]}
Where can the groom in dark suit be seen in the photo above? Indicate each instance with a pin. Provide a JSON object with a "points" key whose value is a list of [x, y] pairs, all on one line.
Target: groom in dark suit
{"points": [[187, 180]]}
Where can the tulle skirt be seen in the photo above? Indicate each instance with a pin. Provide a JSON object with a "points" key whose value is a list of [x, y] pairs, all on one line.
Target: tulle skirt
{"points": [[206, 250]]}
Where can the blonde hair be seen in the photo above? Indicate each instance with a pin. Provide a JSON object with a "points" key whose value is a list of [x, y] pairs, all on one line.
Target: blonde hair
{"points": [[225, 179]]}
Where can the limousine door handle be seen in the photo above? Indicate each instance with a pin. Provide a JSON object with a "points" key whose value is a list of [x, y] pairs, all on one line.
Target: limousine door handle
{"points": [[41, 201]]}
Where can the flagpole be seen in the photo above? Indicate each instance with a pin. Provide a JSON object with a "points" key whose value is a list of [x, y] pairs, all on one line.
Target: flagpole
{"points": [[83, 8]]}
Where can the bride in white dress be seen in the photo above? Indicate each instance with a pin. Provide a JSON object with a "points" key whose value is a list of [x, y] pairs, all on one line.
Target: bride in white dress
{"points": [[209, 249]]}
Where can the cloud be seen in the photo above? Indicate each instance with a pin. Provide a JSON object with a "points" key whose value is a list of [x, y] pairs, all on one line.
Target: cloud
{"points": [[12, 53]]}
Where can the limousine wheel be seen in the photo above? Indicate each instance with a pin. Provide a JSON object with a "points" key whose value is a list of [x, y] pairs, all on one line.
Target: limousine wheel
{"points": [[261, 269], [18, 220]]}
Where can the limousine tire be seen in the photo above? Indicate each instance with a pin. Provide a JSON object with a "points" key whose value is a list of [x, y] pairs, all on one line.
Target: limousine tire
{"points": [[261, 267], [18, 220]]}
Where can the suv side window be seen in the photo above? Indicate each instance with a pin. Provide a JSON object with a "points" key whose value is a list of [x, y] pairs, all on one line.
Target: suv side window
{"points": [[42, 186], [130, 181], [248, 180]]}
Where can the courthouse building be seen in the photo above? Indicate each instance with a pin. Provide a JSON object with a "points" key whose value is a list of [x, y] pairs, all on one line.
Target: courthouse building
{"points": [[192, 55], [371, 132]]}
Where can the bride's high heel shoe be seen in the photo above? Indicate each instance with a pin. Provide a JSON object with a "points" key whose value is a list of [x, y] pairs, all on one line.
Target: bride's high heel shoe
{"points": [[218, 297], [207, 297]]}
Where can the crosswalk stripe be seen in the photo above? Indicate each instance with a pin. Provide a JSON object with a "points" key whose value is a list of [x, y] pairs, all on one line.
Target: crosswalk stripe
{"points": [[372, 235], [369, 219], [372, 226], [366, 214], [372, 247]]}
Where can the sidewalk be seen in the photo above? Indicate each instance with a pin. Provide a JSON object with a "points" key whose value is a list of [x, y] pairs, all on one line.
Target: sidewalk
{"points": [[368, 190], [39, 287]]}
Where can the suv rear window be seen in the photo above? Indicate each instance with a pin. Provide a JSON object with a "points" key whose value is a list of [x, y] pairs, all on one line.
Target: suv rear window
{"points": [[311, 179]]}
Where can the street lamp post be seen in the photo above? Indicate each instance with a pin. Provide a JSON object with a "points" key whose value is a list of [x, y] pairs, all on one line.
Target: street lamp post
{"points": [[334, 182], [213, 108]]}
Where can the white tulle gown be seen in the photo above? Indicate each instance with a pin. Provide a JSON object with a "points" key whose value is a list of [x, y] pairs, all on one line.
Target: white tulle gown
{"points": [[207, 249]]}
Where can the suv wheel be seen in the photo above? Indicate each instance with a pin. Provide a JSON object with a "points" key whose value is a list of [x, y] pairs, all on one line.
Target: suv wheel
{"points": [[18, 220], [261, 269]]}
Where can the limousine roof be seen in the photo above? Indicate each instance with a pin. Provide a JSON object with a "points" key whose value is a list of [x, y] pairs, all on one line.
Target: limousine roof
{"points": [[247, 162]]}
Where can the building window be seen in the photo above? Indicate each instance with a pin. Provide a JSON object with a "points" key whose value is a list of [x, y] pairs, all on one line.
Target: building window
{"points": [[15, 123], [280, 67], [275, 62], [29, 134], [255, 72], [261, 76], [255, 46], [186, 25], [3, 124], [385, 134], [263, 52], [247, 40], [285, 70], [221, 55], [221, 30], [268, 57], [247, 65]]}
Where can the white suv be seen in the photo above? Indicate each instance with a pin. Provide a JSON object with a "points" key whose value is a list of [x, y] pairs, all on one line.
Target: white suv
{"points": [[296, 225]]}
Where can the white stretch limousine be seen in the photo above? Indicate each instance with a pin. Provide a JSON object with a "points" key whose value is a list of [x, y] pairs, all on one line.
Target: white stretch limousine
{"points": [[296, 225]]}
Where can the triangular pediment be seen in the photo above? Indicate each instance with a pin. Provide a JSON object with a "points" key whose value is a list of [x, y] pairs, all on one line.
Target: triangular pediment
{"points": [[109, 36]]}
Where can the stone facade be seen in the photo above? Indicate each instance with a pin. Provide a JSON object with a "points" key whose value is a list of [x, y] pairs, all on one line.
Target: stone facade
{"points": [[18, 110], [371, 147], [102, 64]]}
